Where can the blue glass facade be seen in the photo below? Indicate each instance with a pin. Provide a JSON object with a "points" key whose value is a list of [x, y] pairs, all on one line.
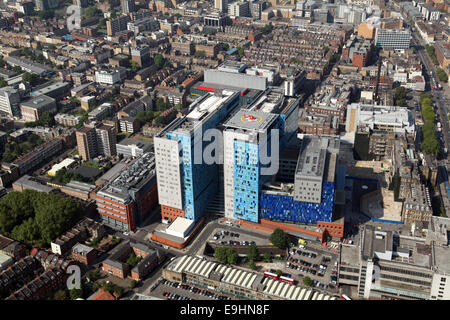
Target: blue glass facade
{"points": [[246, 180], [199, 182], [286, 208]]}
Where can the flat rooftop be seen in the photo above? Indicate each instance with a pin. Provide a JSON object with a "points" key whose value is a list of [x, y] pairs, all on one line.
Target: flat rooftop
{"points": [[251, 120], [180, 224], [311, 161], [199, 111], [442, 259], [38, 102], [134, 176]]}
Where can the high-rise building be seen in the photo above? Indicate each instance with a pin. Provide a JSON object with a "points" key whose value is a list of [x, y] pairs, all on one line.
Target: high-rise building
{"points": [[239, 9], [96, 139], [9, 101], [256, 8], [86, 142], [247, 133], [128, 6], [141, 55], [81, 3], [221, 5], [185, 189], [294, 82], [117, 24], [106, 140], [46, 4]]}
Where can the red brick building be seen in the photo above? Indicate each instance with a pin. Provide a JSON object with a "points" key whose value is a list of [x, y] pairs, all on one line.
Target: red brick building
{"points": [[117, 266], [83, 254]]}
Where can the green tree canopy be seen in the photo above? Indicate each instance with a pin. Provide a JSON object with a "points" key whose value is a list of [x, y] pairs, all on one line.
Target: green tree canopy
{"points": [[232, 256], [442, 76], [307, 281], [279, 239], [60, 295], [46, 14], [252, 252], [221, 254], [133, 260], [76, 294], [226, 255], [36, 218]]}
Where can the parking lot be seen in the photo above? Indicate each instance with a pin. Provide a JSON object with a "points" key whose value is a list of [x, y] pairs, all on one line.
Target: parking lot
{"points": [[235, 238], [164, 289], [308, 262]]}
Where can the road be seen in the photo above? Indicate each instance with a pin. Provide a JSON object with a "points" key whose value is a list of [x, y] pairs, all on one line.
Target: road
{"points": [[439, 97]]}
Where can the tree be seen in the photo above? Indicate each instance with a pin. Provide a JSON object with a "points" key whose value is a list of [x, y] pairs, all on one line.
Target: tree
{"points": [[3, 83], [30, 78], [267, 257], [93, 276], [162, 105], [46, 14], [225, 46], [145, 116], [240, 51], [232, 256], [221, 254], [279, 238], [307, 281], [279, 272], [60, 295], [226, 255], [252, 265], [159, 60], [17, 69], [134, 65], [442, 76], [36, 218], [133, 260], [76, 294], [91, 12], [252, 252], [118, 291], [133, 283]]}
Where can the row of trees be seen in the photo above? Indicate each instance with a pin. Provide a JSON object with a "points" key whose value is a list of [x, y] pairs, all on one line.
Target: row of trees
{"points": [[64, 176], [36, 218], [226, 255], [431, 52], [430, 144], [31, 78], [442, 76]]}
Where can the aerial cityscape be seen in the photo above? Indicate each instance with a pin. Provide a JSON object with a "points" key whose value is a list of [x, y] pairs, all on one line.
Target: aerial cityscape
{"points": [[224, 150]]}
